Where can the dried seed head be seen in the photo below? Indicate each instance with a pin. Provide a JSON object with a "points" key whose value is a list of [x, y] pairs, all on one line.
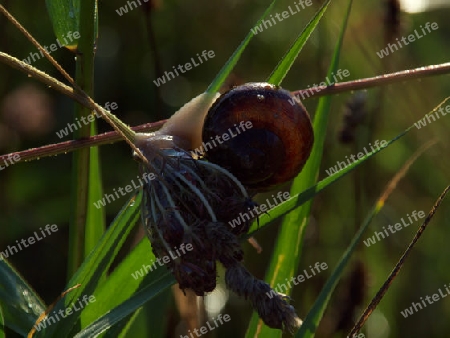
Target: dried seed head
{"points": [[184, 206], [193, 202]]}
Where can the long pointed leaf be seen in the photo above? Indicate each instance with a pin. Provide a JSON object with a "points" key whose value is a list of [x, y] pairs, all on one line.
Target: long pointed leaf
{"points": [[19, 303], [289, 58], [86, 167]]}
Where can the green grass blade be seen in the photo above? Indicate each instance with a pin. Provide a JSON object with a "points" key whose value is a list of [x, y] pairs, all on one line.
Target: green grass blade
{"points": [[19, 304], [65, 17], [95, 266], [132, 304], [149, 318], [288, 247], [155, 313], [86, 175], [288, 59], [140, 256], [119, 331], [95, 219], [122, 275], [229, 65]]}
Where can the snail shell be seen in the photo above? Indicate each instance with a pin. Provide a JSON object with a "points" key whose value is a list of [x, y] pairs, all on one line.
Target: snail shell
{"points": [[270, 152]]}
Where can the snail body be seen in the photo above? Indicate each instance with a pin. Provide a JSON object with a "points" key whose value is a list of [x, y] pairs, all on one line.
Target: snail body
{"points": [[276, 143]]}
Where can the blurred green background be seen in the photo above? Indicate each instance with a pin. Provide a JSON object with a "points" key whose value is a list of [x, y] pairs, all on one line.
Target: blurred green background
{"points": [[131, 55]]}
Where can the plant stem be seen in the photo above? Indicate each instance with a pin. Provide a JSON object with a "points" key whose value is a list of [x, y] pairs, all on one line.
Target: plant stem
{"points": [[69, 146], [81, 169], [380, 80]]}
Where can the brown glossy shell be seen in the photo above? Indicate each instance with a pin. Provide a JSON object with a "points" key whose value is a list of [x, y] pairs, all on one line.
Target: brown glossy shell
{"points": [[274, 149]]}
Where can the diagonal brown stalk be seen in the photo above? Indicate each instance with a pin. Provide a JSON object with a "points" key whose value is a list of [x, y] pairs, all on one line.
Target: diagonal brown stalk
{"points": [[377, 81], [111, 137], [386, 285]]}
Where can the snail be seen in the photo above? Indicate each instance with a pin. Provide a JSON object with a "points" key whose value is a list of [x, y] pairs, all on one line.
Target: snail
{"points": [[275, 147], [252, 138], [257, 131]]}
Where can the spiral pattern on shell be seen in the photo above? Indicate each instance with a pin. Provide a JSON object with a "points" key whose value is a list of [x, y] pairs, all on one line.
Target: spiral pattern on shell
{"points": [[276, 146]]}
